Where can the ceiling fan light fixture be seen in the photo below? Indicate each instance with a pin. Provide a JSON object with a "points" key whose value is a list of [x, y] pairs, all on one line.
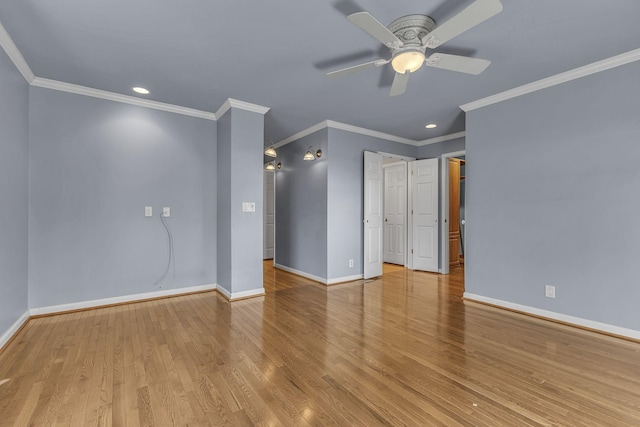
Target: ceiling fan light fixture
{"points": [[410, 59]]}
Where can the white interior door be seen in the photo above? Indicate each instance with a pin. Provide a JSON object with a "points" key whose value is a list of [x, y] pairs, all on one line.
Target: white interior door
{"points": [[269, 214], [395, 210], [424, 186], [372, 215]]}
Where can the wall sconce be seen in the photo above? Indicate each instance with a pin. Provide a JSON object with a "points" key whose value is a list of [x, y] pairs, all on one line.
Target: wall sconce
{"points": [[270, 151], [271, 166], [311, 155]]}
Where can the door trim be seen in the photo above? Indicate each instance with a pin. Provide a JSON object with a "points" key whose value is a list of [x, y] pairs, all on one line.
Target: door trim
{"points": [[396, 156], [266, 173], [444, 209]]}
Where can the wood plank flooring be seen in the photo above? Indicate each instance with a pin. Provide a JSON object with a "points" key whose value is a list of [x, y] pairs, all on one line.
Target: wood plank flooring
{"points": [[400, 350]]}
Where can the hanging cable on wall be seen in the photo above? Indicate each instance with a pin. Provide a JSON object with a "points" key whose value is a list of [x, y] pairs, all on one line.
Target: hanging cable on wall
{"points": [[171, 258]]}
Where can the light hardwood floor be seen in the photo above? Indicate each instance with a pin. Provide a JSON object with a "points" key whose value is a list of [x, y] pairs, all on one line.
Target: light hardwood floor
{"points": [[401, 350]]}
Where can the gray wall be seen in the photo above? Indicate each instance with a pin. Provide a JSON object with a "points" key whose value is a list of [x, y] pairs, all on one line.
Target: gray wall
{"points": [[436, 150], [552, 186], [94, 165], [240, 156], [345, 210], [13, 191], [301, 206]]}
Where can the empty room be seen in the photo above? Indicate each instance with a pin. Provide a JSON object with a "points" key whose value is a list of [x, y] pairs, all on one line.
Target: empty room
{"points": [[343, 212]]}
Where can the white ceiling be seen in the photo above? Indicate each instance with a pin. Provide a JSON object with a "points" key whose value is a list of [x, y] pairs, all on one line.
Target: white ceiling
{"points": [[198, 53]]}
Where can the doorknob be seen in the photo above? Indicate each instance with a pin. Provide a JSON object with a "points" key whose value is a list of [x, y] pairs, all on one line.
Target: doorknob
{"points": [[385, 220]]}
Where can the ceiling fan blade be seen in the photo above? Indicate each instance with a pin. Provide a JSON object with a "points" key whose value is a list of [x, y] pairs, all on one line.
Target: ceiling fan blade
{"points": [[356, 68], [375, 28], [399, 85], [462, 64], [479, 11]]}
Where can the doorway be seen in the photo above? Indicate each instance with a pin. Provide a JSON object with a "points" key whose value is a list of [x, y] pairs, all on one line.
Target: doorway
{"points": [[400, 215], [445, 208], [456, 211], [269, 214]]}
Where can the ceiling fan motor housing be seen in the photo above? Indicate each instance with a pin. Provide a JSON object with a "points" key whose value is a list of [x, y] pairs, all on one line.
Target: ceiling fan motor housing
{"points": [[410, 30]]}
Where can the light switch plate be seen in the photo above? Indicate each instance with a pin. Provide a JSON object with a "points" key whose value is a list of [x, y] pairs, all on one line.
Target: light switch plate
{"points": [[248, 207], [148, 211]]}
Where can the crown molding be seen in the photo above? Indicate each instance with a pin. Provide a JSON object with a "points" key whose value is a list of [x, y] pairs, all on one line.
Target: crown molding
{"points": [[368, 132], [125, 99], [349, 128], [442, 138], [301, 134], [6, 42], [14, 54], [234, 103], [593, 68]]}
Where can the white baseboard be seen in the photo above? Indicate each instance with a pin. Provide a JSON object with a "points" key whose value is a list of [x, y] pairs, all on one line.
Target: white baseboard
{"points": [[9, 333], [231, 296], [119, 300], [224, 292], [301, 273], [344, 279], [577, 321], [318, 278]]}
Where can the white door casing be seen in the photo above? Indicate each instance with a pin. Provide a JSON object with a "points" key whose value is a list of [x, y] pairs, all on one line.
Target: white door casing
{"points": [[372, 221], [395, 210], [268, 238], [444, 208], [425, 227]]}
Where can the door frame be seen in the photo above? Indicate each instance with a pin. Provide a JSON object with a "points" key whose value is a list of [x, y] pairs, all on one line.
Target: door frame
{"points": [[273, 260], [444, 209]]}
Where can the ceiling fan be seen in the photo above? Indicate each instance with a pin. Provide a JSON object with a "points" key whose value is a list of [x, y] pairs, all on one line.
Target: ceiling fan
{"points": [[410, 36]]}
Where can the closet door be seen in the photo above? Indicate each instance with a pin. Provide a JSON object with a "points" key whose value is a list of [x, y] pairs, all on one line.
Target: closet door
{"points": [[395, 212]]}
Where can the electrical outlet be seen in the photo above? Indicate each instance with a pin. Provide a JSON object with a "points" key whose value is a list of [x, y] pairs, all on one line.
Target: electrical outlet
{"points": [[350, 263], [550, 291], [148, 211], [166, 212]]}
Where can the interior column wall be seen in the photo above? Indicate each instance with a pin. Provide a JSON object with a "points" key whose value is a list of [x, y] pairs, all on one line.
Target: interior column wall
{"points": [[14, 111], [239, 246]]}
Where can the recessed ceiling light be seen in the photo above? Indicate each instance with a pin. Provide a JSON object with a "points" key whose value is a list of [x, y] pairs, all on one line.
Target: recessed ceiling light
{"points": [[140, 90], [431, 125]]}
